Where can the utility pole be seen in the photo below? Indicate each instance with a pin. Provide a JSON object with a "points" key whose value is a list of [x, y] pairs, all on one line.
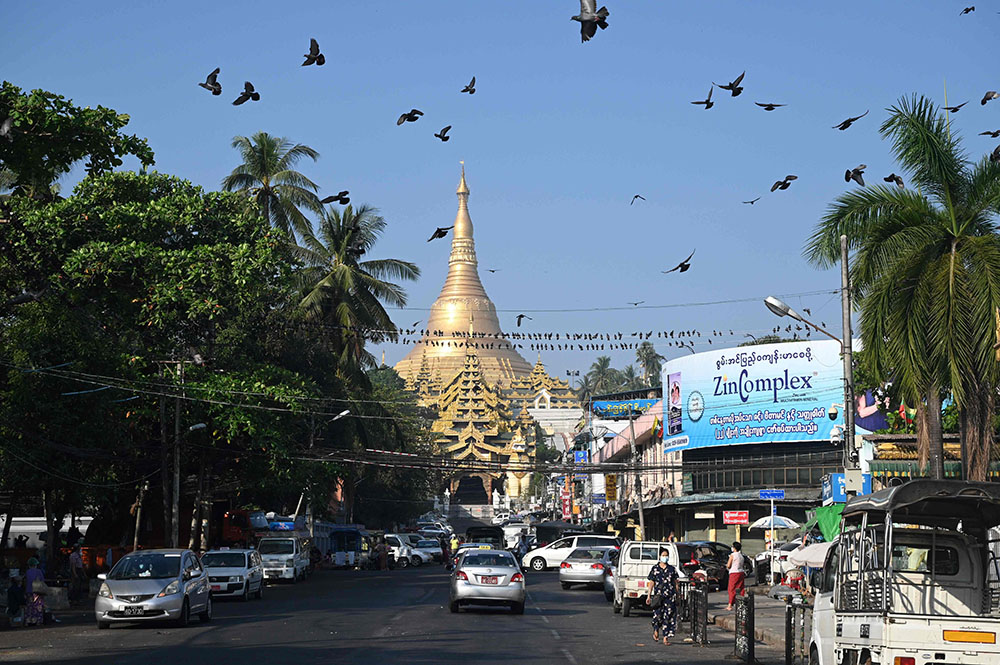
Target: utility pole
{"points": [[175, 513], [138, 514], [638, 475], [852, 467]]}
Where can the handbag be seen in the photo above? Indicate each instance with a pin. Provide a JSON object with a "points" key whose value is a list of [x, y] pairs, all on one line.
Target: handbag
{"points": [[655, 601]]}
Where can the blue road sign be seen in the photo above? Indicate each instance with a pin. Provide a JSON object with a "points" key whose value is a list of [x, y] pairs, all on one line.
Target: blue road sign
{"points": [[772, 495], [599, 498]]}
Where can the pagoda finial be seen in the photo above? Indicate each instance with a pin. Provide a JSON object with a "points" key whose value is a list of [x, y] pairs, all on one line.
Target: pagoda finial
{"points": [[462, 187]]}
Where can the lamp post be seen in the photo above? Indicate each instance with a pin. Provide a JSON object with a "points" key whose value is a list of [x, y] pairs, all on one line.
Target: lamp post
{"points": [[175, 515], [852, 481]]}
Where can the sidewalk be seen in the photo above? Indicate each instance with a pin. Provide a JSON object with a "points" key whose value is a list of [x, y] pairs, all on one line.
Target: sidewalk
{"points": [[769, 617]]}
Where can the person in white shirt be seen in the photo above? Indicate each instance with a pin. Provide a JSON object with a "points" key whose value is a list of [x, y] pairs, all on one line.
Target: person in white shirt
{"points": [[737, 574]]}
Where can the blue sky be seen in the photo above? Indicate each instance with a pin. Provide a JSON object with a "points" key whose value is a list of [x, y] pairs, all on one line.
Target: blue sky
{"points": [[558, 137]]}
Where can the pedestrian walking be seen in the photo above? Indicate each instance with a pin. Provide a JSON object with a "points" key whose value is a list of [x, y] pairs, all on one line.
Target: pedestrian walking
{"points": [[662, 597], [35, 590], [737, 574], [77, 574]]}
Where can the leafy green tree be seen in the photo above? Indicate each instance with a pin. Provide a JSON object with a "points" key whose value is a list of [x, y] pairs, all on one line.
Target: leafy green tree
{"points": [[48, 134], [631, 380], [606, 379], [268, 176], [926, 271], [584, 388], [650, 361]]}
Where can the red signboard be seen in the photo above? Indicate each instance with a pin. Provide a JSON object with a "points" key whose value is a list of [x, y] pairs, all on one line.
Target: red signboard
{"points": [[741, 517]]}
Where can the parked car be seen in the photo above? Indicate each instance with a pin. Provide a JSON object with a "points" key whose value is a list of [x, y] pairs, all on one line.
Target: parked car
{"points": [[500, 517], [762, 562], [489, 577], [433, 532], [284, 558], [553, 554], [584, 565], [234, 573], [154, 585], [402, 551], [428, 550]]}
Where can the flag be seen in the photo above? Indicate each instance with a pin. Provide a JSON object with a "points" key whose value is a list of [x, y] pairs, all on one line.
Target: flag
{"points": [[657, 428]]}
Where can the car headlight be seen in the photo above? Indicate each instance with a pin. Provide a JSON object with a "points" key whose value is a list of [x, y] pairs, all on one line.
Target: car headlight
{"points": [[170, 589], [236, 578], [105, 591], [290, 562]]}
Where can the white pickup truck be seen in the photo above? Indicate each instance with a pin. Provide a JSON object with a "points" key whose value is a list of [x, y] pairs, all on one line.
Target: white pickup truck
{"points": [[636, 559], [913, 578]]}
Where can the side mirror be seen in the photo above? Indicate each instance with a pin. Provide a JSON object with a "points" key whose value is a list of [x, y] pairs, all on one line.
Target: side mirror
{"points": [[816, 580], [102, 576], [188, 574]]}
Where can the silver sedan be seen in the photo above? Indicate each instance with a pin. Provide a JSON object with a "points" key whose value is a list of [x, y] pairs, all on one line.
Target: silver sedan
{"points": [[584, 565], [487, 577]]}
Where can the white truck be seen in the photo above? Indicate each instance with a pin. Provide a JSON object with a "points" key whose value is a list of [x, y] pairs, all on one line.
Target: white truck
{"points": [[285, 557], [913, 578], [635, 561]]}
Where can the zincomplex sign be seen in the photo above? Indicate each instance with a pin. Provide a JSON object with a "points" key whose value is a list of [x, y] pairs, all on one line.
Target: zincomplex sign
{"points": [[753, 394]]}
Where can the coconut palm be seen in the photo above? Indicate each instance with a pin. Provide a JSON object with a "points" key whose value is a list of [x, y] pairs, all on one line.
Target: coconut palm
{"points": [[584, 388], [650, 361], [630, 379], [605, 378], [926, 272], [267, 175], [341, 289]]}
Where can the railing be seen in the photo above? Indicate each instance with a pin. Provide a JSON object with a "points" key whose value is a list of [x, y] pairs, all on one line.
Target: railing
{"points": [[743, 649], [697, 603], [798, 630]]}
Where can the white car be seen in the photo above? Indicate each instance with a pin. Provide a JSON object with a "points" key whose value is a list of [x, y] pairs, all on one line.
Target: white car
{"points": [[556, 552], [429, 550], [284, 558], [404, 553], [234, 573], [501, 517]]}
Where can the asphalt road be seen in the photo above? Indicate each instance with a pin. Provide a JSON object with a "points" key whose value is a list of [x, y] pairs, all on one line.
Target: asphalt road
{"points": [[399, 616]]}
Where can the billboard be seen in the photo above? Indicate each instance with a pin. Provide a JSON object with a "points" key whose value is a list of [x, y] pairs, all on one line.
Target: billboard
{"points": [[621, 409], [753, 394], [611, 486]]}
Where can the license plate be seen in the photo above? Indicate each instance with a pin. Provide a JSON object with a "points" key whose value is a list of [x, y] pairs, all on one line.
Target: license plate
{"points": [[216, 587], [488, 580], [642, 584], [133, 611]]}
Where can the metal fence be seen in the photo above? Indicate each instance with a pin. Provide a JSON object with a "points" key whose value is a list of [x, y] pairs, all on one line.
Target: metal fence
{"points": [[798, 630], [745, 632], [698, 614]]}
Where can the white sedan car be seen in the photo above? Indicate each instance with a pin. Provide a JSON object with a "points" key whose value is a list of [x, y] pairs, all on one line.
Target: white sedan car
{"points": [[428, 550], [234, 573]]}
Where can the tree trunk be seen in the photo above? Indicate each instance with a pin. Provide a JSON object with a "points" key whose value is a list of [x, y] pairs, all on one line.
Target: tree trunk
{"points": [[976, 421], [9, 517], [164, 470], [935, 438], [196, 509]]}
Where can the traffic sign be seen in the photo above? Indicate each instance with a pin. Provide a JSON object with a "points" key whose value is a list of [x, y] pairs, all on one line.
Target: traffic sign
{"points": [[772, 495], [741, 517], [598, 498]]}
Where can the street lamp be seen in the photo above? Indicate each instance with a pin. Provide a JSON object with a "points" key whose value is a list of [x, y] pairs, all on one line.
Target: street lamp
{"points": [[175, 515]]}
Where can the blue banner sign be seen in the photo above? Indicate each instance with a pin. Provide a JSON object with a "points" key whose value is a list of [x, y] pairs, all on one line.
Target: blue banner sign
{"points": [[833, 487], [599, 498], [772, 495], [622, 410], [580, 456]]}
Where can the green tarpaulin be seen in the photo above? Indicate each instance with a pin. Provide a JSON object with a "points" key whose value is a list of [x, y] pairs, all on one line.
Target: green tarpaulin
{"points": [[828, 519]]}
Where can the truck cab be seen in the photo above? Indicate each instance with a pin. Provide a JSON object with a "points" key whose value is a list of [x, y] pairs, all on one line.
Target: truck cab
{"points": [[912, 578]]}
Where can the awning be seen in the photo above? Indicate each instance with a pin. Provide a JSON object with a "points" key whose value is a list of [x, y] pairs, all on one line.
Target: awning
{"points": [[812, 556]]}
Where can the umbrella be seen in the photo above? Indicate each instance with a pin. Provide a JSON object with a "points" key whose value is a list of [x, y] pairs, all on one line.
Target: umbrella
{"points": [[775, 522], [812, 556]]}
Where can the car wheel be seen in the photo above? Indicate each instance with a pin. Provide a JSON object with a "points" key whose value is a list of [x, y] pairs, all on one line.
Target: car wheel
{"points": [[246, 592], [565, 585], [403, 562], [206, 615], [813, 655], [517, 608], [609, 596], [103, 625], [626, 606], [185, 616], [416, 561], [538, 564], [260, 590], [453, 606], [615, 607]]}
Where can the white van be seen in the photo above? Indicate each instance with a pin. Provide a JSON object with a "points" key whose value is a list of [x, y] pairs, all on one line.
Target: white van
{"points": [[556, 552], [934, 599], [284, 558], [636, 559]]}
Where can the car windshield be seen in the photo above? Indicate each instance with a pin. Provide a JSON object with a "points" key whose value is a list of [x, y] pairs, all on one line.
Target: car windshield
{"points": [[224, 560], [149, 565], [495, 559], [428, 543], [276, 547], [788, 547], [587, 553]]}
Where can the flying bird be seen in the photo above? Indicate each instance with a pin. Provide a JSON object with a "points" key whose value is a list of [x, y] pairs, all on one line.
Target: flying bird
{"points": [[995, 155], [785, 183], [471, 88], [708, 101], [492, 269], [247, 94], [752, 201], [856, 174], [443, 134], [339, 197], [440, 232], [637, 196], [769, 106], [733, 86], [850, 121], [314, 57], [990, 95], [892, 177], [521, 317], [410, 116], [968, 10], [807, 311], [955, 109], [683, 266], [637, 303], [590, 19], [994, 134], [213, 85]]}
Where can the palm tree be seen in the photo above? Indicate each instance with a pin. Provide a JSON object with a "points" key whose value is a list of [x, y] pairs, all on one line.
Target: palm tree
{"points": [[926, 271], [604, 377], [650, 361], [630, 378], [343, 290], [267, 175], [584, 389]]}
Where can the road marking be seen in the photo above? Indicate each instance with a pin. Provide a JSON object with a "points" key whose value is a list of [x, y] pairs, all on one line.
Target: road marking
{"points": [[569, 656], [544, 618], [555, 633]]}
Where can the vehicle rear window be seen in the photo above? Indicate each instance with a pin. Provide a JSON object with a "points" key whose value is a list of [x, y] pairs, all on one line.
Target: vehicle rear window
{"points": [[224, 560], [428, 543], [588, 553], [276, 547], [921, 559], [644, 552], [684, 552], [592, 541], [493, 559]]}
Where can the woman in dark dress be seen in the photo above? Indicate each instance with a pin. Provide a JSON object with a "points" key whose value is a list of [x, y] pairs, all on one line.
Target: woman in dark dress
{"points": [[664, 579]]}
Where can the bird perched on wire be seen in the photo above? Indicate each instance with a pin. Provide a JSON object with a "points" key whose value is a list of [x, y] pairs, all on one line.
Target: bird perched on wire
{"points": [[752, 201], [314, 57], [247, 94], [892, 177], [856, 174], [785, 183], [807, 311], [410, 116], [733, 86], [590, 19], [967, 10], [990, 95], [850, 121], [637, 196], [637, 303], [521, 317], [707, 102], [212, 84], [340, 197], [993, 134], [471, 88], [443, 134], [769, 106], [955, 109], [683, 266], [440, 232]]}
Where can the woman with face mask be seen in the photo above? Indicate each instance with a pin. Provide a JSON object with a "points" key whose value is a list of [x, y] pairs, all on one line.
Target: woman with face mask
{"points": [[662, 597]]}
